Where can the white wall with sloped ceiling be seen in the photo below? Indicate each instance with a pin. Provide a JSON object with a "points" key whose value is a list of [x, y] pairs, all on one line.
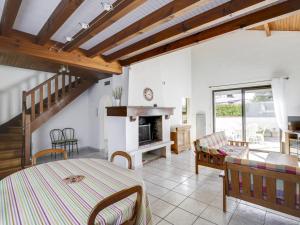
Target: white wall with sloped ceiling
{"points": [[241, 57]]}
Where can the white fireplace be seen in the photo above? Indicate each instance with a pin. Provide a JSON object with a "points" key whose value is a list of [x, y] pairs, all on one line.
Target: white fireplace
{"points": [[137, 130]]}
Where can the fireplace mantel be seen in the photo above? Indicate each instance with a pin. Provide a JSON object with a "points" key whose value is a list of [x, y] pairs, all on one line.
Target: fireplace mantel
{"points": [[133, 111]]}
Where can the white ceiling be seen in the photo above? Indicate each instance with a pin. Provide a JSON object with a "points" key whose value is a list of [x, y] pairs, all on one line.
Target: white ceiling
{"points": [[140, 12], [176, 20], [33, 14], [86, 12]]}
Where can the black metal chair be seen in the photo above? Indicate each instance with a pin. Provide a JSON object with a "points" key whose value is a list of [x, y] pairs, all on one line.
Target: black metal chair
{"points": [[58, 140], [71, 140]]}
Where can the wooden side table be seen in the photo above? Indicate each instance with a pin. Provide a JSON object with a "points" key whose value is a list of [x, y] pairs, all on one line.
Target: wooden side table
{"points": [[181, 136]]}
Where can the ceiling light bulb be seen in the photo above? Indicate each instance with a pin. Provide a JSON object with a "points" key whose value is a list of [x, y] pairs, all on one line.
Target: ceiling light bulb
{"points": [[107, 6], [84, 25], [69, 38]]}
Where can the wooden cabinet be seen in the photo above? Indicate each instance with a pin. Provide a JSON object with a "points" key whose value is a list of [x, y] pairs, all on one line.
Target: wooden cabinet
{"points": [[182, 138]]}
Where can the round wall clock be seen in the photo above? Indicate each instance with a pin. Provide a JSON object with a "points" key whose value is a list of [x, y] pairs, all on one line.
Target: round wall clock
{"points": [[148, 94]]}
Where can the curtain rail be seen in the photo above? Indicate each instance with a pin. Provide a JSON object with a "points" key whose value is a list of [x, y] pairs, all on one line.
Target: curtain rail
{"points": [[251, 82]]}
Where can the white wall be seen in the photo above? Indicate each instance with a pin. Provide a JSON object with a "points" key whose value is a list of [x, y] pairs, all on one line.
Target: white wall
{"points": [[244, 56], [169, 77], [74, 115], [12, 82]]}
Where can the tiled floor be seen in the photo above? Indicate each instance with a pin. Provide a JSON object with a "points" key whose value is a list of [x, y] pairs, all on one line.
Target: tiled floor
{"points": [[178, 196]]}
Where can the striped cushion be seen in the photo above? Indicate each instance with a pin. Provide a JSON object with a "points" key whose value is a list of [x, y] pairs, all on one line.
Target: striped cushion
{"points": [[217, 143]]}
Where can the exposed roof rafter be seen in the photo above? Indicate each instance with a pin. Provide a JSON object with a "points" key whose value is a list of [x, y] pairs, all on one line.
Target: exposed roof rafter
{"points": [[61, 13], [104, 20], [171, 10], [25, 48], [187, 25], [10, 11], [268, 13]]}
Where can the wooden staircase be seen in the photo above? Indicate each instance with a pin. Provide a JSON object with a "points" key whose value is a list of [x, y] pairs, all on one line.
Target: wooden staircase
{"points": [[38, 106]]}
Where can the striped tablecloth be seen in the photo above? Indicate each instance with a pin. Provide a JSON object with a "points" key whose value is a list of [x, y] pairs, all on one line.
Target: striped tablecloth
{"points": [[38, 195]]}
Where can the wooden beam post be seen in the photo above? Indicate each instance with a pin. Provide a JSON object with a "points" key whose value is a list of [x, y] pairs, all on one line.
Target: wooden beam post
{"points": [[267, 29], [268, 13]]}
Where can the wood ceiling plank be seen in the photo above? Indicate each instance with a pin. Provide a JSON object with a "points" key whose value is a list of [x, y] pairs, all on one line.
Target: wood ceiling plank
{"points": [[61, 13], [173, 9], [10, 11], [20, 46], [187, 25], [104, 20], [268, 13]]}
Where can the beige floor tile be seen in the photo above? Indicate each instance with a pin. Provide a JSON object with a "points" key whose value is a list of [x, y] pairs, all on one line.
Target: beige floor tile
{"points": [[193, 206], [230, 204], [201, 221], [173, 198], [216, 215], [161, 208], [184, 189], [273, 219], [245, 215], [180, 217], [163, 222], [205, 197], [155, 219]]}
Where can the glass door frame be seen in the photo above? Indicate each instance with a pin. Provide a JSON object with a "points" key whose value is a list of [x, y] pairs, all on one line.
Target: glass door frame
{"points": [[243, 91]]}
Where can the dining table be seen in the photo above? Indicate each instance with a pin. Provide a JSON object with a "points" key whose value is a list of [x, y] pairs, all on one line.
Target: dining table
{"points": [[43, 194]]}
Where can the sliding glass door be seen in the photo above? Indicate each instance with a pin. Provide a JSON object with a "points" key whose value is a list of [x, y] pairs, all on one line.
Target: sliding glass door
{"points": [[247, 114]]}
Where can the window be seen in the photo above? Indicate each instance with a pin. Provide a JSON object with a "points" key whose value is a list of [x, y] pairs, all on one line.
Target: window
{"points": [[247, 114]]}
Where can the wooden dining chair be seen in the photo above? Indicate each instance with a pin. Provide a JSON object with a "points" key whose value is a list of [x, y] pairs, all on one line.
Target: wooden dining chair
{"points": [[123, 154], [110, 200], [46, 152]]}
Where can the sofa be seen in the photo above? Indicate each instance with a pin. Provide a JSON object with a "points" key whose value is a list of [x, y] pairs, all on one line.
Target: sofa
{"points": [[269, 185], [212, 149]]}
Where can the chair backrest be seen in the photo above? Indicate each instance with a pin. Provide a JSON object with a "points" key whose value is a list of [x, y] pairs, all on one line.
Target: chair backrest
{"points": [[116, 198], [215, 140], [46, 152], [273, 186], [56, 135], [69, 133], [122, 154]]}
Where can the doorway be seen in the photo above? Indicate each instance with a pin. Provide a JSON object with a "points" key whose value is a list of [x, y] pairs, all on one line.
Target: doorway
{"points": [[247, 114]]}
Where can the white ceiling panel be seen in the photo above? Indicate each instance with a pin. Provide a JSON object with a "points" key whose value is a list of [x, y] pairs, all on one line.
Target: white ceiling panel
{"points": [[86, 12], [33, 14], [135, 15], [168, 24], [1, 8]]}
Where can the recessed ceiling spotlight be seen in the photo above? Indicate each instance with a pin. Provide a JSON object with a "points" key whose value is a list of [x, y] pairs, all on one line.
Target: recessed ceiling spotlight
{"points": [[107, 6], [68, 38], [84, 25]]}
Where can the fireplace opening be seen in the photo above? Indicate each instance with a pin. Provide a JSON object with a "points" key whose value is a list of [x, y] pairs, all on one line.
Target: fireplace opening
{"points": [[150, 129]]}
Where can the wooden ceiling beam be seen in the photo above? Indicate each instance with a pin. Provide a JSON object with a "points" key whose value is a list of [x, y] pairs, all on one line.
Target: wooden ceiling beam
{"points": [[187, 25], [23, 47], [10, 11], [59, 16], [171, 10], [268, 13], [104, 20], [267, 29]]}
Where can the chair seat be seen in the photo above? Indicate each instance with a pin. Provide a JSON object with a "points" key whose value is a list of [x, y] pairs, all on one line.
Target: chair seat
{"points": [[72, 140], [59, 142]]}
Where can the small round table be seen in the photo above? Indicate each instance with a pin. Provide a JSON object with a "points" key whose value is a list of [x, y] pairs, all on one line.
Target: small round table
{"points": [[42, 195]]}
